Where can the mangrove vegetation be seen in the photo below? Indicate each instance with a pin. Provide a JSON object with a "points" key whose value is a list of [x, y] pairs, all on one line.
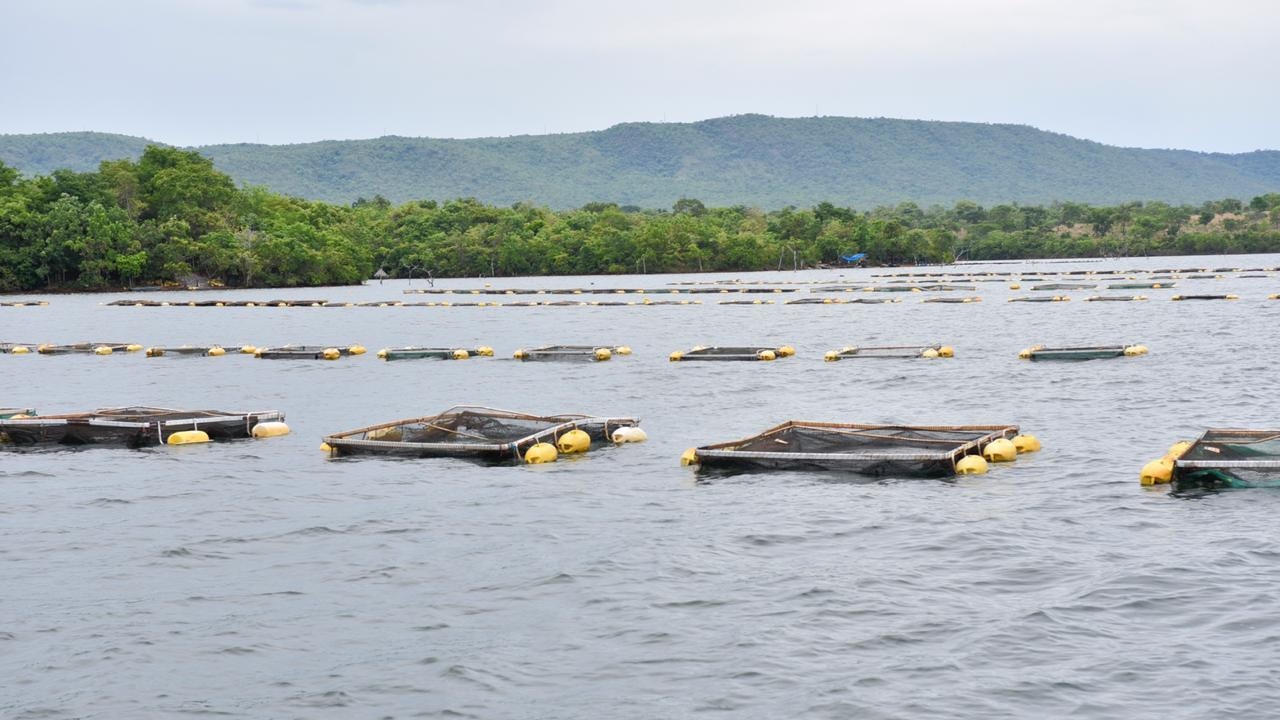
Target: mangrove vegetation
{"points": [[172, 216]]}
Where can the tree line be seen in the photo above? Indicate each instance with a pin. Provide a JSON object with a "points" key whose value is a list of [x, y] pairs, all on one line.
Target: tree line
{"points": [[171, 216]]}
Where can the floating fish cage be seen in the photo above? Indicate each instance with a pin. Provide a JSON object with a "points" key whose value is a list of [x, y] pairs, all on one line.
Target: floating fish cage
{"points": [[1116, 298], [308, 352], [1141, 286], [1065, 286], [953, 300], [873, 450], [133, 426], [892, 352], [1039, 352], [745, 302], [88, 348], [1040, 298], [6, 413], [425, 353], [1225, 458], [571, 353], [17, 348], [732, 353], [25, 303], [481, 434], [187, 351], [1205, 297]]}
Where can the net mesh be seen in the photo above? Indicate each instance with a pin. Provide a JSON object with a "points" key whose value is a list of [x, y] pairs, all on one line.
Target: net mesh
{"points": [[879, 441], [1231, 459], [466, 427]]}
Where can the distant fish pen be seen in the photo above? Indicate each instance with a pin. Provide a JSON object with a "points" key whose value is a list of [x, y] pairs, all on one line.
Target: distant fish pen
{"points": [[571, 353], [1065, 286], [428, 353], [1038, 353], [187, 351], [1116, 298], [137, 427], [892, 352], [1039, 298], [485, 435], [871, 450], [88, 348], [1205, 297], [747, 353], [308, 352]]}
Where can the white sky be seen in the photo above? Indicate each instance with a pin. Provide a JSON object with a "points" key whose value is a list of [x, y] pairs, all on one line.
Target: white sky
{"points": [[1146, 73]]}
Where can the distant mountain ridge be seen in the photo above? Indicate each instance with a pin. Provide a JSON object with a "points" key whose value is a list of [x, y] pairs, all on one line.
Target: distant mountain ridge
{"points": [[752, 160]]}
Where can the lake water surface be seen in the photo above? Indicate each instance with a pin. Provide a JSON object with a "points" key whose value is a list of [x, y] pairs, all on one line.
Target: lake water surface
{"points": [[260, 579]]}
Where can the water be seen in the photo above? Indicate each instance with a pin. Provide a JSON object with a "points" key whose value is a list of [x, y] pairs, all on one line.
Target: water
{"points": [[262, 580]]}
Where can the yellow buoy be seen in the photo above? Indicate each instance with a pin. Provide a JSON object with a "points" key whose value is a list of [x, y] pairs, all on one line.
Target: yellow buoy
{"points": [[216, 351], [356, 350], [19, 350], [484, 351], [188, 437], [676, 356], [326, 447], [282, 304], [461, 354], [946, 351], [628, 435], [541, 453], [155, 352], [520, 354], [270, 429], [1233, 297], [785, 351], [622, 350], [971, 465], [382, 354], [603, 354], [331, 353], [1157, 472], [249, 304], [1015, 286], [1178, 449], [574, 441], [1135, 350], [1000, 450], [132, 347], [929, 353], [830, 356], [1025, 354], [689, 457], [102, 350], [1026, 443], [248, 350], [767, 355]]}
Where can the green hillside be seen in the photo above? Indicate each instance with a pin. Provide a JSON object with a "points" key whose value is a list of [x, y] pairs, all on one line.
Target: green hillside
{"points": [[749, 160]]}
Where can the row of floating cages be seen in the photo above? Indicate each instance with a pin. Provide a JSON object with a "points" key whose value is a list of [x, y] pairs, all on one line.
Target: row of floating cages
{"points": [[1039, 353], [595, 291], [397, 303], [1219, 459], [891, 352], [869, 450], [485, 435], [738, 353], [1212, 272], [14, 412], [24, 303], [139, 427], [82, 348]]}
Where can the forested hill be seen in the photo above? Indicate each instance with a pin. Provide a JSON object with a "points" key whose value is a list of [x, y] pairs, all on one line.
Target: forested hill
{"points": [[750, 160]]}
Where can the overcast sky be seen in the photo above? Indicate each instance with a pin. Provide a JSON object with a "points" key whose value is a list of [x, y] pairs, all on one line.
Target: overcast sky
{"points": [[1146, 73]]}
